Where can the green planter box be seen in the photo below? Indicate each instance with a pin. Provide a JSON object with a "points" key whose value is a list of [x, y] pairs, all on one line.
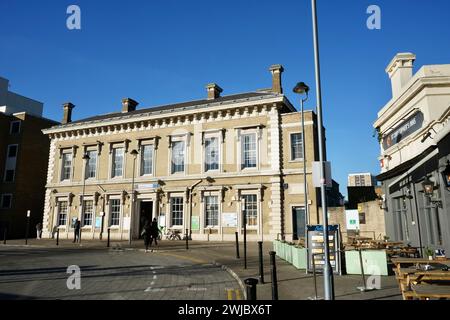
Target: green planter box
{"points": [[282, 252], [374, 262], [299, 257], [288, 253], [276, 246]]}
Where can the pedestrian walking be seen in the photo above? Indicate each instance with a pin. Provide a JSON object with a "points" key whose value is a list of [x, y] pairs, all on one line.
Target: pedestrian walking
{"points": [[154, 232], [147, 233], [77, 228], [39, 231]]}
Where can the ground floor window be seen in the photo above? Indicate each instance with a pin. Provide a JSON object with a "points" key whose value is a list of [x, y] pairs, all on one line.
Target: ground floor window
{"points": [[299, 222], [211, 211], [432, 222], [251, 209], [400, 221], [62, 213], [88, 213], [114, 212], [176, 209]]}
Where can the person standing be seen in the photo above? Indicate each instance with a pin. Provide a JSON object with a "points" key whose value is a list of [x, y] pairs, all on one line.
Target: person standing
{"points": [[77, 228], [39, 231], [147, 233], [154, 232]]}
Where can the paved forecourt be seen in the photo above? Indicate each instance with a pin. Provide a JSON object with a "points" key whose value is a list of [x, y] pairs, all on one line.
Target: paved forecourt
{"points": [[41, 273]]}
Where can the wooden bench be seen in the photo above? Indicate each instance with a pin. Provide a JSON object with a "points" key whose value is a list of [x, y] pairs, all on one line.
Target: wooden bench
{"points": [[429, 291]]}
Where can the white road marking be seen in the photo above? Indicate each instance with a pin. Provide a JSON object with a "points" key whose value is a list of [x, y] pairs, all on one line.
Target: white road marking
{"points": [[197, 289], [150, 289], [155, 277]]}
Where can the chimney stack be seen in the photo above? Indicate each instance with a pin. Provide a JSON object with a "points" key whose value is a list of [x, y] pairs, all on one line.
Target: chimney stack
{"points": [[67, 118], [128, 105], [276, 71], [214, 91], [400, 71]]}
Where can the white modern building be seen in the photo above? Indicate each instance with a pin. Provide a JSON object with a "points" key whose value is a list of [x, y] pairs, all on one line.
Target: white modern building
{"points": [[11, 102]]}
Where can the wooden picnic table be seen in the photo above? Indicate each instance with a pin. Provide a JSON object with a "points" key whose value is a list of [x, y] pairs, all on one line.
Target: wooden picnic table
{"points": [[413, 277], [430, 291]]}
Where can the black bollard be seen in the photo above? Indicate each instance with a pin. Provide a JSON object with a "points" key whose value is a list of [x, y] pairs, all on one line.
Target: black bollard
{"points": [[27, 230], [237, 245], [57, 237], [187, 239], [273, 269], [109, 237], [250, 285], [4, 236], [261, 262]]}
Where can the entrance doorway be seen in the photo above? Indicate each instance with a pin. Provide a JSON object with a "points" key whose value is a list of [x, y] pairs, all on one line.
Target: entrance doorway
{"points": [[298, 223], [145, 213]]}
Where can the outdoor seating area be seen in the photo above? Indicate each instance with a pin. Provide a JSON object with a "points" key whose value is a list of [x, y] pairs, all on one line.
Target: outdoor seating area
{"points": [[423, 279], [418, 278]]}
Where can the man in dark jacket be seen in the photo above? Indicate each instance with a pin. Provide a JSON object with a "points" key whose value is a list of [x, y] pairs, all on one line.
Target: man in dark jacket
{"points": [[147, 233], [154, 232], [77, 228]]}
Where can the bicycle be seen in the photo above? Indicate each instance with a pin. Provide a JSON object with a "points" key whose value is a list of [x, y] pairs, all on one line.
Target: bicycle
{"points": [[173, 234]]}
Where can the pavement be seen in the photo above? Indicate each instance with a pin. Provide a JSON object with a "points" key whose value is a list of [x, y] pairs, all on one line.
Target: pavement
{"points": [[211, 269]]}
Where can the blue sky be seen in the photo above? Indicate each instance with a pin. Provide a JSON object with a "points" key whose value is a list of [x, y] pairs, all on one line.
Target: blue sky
{"points": [[160, 52]]}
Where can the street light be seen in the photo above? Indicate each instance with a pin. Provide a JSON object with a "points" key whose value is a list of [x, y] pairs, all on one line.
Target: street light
{"points": [[301, 88], [134, 153], [86, 159], [327, 271]]}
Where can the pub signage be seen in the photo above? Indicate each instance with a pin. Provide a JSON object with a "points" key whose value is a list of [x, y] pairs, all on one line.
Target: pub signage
{"points": [[406, 128]]}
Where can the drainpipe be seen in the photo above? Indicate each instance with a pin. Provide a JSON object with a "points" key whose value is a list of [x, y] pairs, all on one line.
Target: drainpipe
{"points": [[191, 188]]}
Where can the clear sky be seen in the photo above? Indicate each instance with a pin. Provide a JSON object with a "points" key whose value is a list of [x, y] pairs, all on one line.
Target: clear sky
{"points": [[162, 52]]}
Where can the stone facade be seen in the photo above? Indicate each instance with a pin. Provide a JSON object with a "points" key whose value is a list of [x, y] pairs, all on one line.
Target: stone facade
{"points": [[207, 201]]}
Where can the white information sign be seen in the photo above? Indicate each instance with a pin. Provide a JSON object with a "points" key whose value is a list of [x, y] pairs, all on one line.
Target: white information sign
{"points": [[229, 219]]}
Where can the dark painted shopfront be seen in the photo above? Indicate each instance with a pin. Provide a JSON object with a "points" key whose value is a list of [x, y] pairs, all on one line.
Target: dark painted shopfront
{"points": [[417, 198]]}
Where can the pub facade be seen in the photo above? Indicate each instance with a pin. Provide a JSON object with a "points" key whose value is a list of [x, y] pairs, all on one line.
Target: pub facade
{"points": [[413, 130]]}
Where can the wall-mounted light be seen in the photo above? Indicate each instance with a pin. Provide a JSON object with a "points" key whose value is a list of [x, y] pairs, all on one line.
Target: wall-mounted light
{"points": [[428, 189], [428, 186]]}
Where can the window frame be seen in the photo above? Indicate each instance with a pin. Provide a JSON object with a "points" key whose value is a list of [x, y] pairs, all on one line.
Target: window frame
{"points": [[2, 201], [171, 217], [58, 213], [83, 213], [62, 165], [112, 159], [141, 159], [173, 140], [8, 150], [206, 137], [110, 217], [87, 166], [205, 210], [11, 127], [6, 176], [256, 195], [242, 134], [291, 151]]}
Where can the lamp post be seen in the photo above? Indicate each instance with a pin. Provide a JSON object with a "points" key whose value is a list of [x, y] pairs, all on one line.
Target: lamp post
{"points": [[86, 159], [134, 153], [327, 271], [302, 88]]}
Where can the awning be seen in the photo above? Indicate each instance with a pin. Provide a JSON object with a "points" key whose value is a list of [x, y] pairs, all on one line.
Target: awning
{"points": [[405, 166]]}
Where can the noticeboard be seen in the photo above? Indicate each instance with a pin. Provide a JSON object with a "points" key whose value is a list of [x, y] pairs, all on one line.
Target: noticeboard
{"points": [[315, 242]]}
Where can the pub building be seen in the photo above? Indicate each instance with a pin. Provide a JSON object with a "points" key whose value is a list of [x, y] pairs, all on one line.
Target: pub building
{"points": [[413, 130]]}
